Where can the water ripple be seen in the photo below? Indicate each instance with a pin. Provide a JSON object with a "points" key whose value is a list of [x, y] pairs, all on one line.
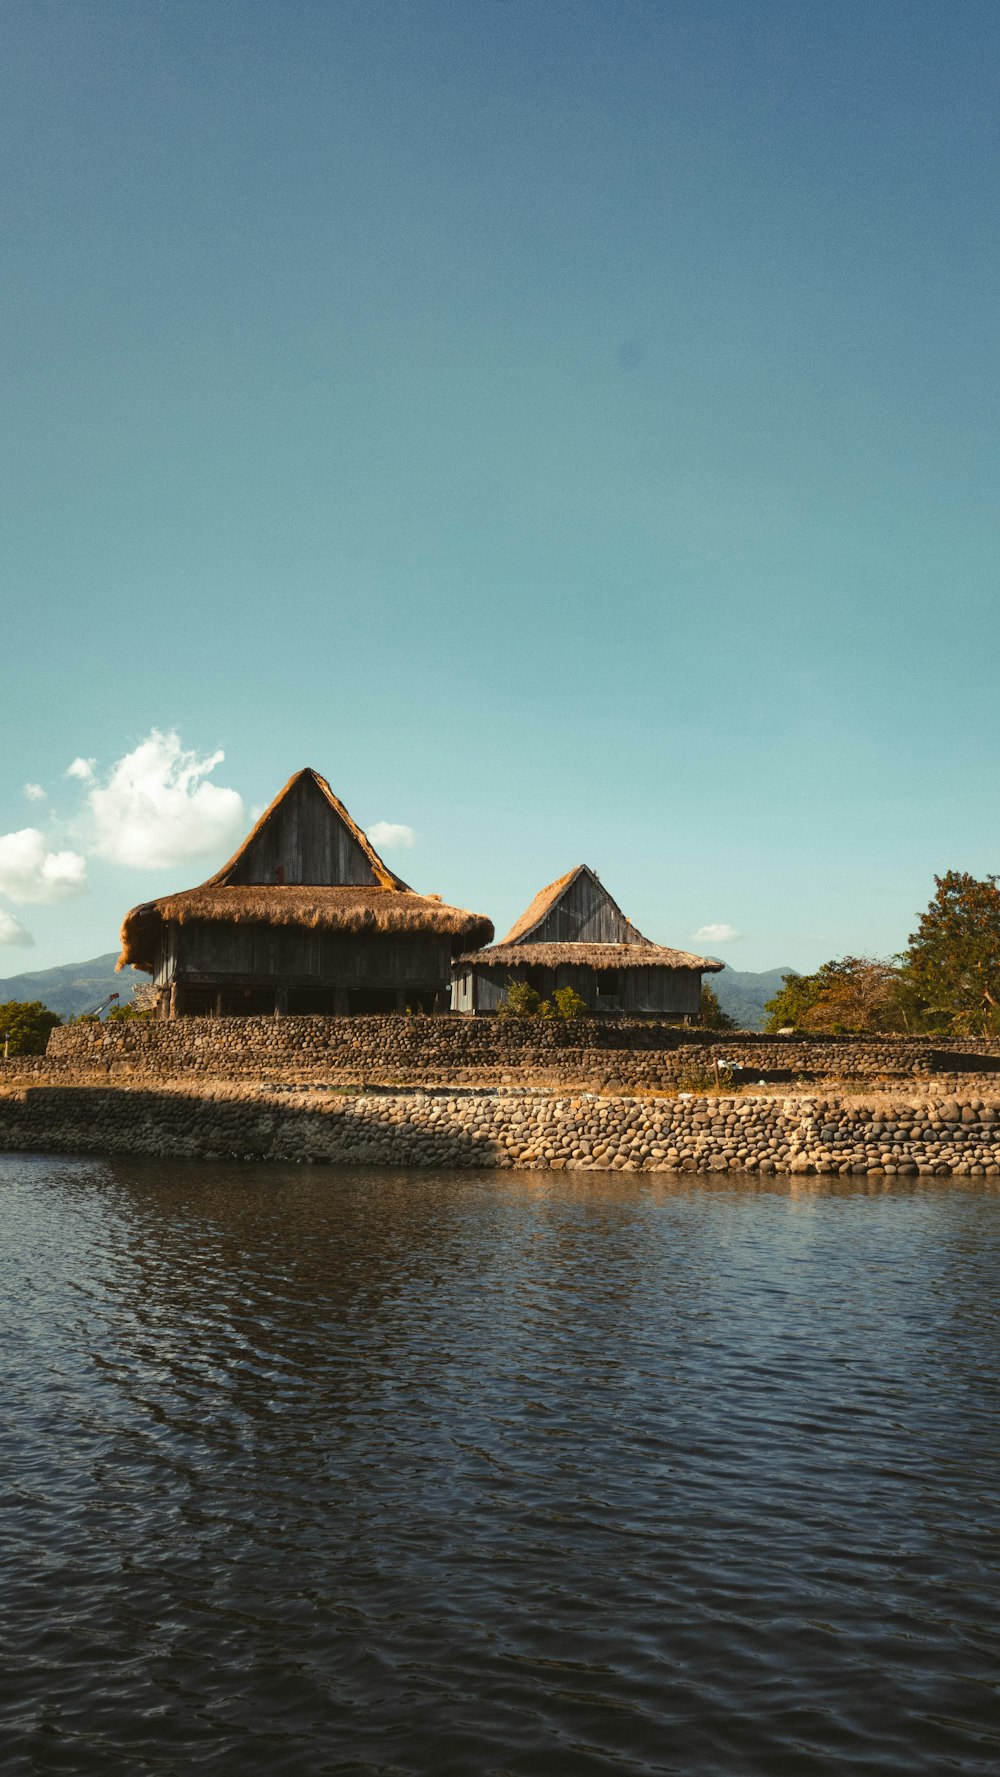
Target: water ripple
{"points": [[320, 1471]]}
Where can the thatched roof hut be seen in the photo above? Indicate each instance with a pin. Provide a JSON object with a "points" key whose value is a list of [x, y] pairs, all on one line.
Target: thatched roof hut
{"points": [[305, 916], [574, 934]]}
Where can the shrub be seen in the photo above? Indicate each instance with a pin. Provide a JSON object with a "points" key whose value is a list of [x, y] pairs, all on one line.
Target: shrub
{"points": [[568, 1003], [521, 1000]]}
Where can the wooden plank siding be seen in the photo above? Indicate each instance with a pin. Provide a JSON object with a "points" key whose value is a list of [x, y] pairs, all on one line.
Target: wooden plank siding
{"points": [[652, 992], [303, 955], [304, 842], [284, 967], [585, 914]]}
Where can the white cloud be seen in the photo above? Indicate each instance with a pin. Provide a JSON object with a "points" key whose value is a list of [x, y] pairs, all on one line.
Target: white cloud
{"points": [[13, 932], [35, 793], [29, 872], [717, 934], [83, 769], [156, 808], [391, 836]]}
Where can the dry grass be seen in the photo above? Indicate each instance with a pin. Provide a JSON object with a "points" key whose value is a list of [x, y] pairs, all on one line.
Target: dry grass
{"points": [[348, 910], [914, 1095], [589, 956]]}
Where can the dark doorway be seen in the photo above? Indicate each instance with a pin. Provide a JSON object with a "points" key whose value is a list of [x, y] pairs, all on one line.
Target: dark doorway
{"points": [[196, 1002], [248, 1002], [609, 988], [422, 1000], [303, 1000], [371, 999]]}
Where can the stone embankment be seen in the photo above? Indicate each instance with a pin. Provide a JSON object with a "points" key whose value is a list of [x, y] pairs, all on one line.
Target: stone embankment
{"points": [[592, 1093], [528, 1128], [617, 1053]]}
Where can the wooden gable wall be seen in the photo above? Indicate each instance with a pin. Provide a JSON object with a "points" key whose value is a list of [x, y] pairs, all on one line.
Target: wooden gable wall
{"points": [[307, 840], [584, 914]]}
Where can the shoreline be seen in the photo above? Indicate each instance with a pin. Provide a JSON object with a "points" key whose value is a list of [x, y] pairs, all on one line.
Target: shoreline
{"points": [[908, 1133]]}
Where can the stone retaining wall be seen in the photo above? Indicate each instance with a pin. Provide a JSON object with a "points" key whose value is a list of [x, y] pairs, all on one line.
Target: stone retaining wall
{"points": [[529, 1129], [623, 1053]]}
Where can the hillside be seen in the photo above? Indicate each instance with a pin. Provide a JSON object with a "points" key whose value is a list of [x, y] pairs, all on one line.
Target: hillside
{"points": [[742, 994], [72, 988]]}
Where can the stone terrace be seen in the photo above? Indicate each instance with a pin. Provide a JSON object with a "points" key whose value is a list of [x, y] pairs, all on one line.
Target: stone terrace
{"points": [[611, 1054]]}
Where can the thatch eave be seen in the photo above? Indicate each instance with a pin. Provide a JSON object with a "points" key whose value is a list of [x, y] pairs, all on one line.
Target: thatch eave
{"points": [[347, 910], [588, 956]]}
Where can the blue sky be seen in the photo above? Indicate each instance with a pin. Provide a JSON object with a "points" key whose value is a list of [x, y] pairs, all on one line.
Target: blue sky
{"points": [[569, 427]]}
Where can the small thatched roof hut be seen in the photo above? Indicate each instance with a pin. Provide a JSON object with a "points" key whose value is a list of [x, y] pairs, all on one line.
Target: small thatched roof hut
{"points": [[574, 934], [305, 917]]}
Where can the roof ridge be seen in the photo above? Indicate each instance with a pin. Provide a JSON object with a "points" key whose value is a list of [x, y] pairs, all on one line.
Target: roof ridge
{"points": [[384, 877], [541, 904]]}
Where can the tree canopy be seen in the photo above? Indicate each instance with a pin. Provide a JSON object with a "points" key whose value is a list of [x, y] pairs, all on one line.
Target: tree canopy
{"points": [[854, 993], [953, 960], [946, 982], [25, 1026]]}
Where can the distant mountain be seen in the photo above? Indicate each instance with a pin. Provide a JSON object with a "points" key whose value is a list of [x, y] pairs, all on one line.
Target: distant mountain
{"points": [[72, 988], [743, 994]]}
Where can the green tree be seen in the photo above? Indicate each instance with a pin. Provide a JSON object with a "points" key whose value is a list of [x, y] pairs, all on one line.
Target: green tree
{"points": [[25, 1027], [711, 1016], [953, 959], [853, 993], [794, 998]]}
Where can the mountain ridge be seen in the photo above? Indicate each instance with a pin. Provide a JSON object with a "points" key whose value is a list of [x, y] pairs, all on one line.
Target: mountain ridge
{"points": [[743, 993], [71, 988]]}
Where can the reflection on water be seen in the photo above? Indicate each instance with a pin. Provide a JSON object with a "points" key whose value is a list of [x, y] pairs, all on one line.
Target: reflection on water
{"points": [[319, 1471]]}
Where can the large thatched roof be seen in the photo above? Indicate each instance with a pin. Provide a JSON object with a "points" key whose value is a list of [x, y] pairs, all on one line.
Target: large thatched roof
{"points": [[589, 956], [388, 905], [347, 910]]}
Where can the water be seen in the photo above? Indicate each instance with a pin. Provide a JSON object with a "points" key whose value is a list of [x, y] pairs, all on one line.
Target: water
{"points": [[317, 1471]]}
